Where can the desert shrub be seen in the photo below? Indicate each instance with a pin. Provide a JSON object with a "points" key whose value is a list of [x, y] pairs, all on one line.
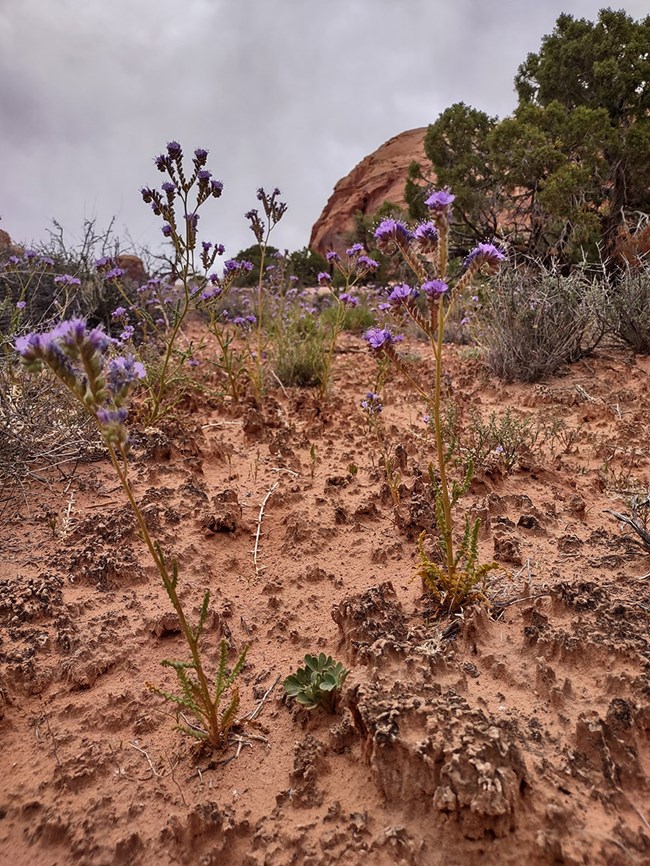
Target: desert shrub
{"points": [[628, 310], [34, 280], [33, 441], [534, 320]]}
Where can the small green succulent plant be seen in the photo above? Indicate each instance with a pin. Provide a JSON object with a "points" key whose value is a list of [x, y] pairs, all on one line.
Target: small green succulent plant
{"points": [[318, 683]]}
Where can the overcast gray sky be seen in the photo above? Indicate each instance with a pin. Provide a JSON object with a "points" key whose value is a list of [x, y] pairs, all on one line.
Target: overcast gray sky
{"points": [[287, 93]]}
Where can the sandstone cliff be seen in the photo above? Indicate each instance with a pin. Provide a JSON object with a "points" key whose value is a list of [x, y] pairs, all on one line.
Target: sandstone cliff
{"points": [[378, 178]]}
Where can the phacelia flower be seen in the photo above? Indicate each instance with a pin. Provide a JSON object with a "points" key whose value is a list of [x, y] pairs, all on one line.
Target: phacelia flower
{"points": [[435, 288], [371, 403], [232, 266], [324, 277], [118, 312], [174, 150], [332, 256], [426, 236], [67, 280], [106, 417], [114, 274], [21, 305], [392, 230], [380, 338], [216, 188], [348, 299], [400, 295], [355, 249], [201, 155], [167, 230], [367, 263], [484, 254], [440, 202], [122, 371]]}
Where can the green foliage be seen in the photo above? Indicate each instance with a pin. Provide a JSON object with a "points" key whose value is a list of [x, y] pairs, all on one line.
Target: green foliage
{"points": [[300, 350], [318, 684], [463, 585], [213, 722], [305, 265], [557, 177]]}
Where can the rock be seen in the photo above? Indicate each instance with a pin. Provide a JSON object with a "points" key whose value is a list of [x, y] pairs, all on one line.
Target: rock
{"points": [[133, 266], [378, 178], [5, 240]]}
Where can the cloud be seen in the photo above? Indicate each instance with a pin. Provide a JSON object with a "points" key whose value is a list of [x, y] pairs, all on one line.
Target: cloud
{"points": [[289, 93]]}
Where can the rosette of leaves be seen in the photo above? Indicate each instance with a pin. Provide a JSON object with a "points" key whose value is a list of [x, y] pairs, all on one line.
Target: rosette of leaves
{"points": [[318, 684]]}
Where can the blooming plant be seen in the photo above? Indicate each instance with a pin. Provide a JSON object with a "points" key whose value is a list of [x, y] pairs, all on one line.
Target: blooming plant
{"points": [[274, 210], [354, 269], [80, 357], [177, 202], [454, 574]]}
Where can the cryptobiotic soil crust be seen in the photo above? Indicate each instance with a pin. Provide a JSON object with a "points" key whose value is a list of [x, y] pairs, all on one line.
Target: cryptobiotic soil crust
{"points": [[512, 735]]}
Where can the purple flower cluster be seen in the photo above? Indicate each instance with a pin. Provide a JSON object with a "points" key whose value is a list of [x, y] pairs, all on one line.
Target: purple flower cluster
{"points": [[401, 295], [484, 254], [440, 202], [435, 288], [381, 338], [371, 404], [392, 231], [78, 355]]}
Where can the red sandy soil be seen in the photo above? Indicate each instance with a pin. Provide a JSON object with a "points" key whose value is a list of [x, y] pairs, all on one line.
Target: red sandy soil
{"points": [[510, 736]]}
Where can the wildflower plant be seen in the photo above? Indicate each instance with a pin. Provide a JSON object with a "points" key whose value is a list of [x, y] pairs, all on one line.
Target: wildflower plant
{"points": [[177, 202], [81, 358], [318, 684], [262, 227], [353, 270], [454, 574]]}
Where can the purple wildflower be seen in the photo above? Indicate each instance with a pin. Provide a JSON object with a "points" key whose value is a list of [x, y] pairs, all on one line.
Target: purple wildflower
{"points": [[332, 256], [484, 254], [367, 263], [355, 249], [379, 338], [67, 280], [122, 371], [324, 277], [114, 274], [348, 300], [392, 230], [127, 333], [216, 188], [174, 150], [401, 295], [371, 404], [106, 417], [118, 312], [204, 175], [201, 155], [435, 288], [232, 266], [21, 305], [161, 162], [426, 235], [440, 202], [167, 230]]}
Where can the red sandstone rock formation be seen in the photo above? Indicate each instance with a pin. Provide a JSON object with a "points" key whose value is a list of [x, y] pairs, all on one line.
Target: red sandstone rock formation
{"points": [[378, 178], [133, 266]]}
